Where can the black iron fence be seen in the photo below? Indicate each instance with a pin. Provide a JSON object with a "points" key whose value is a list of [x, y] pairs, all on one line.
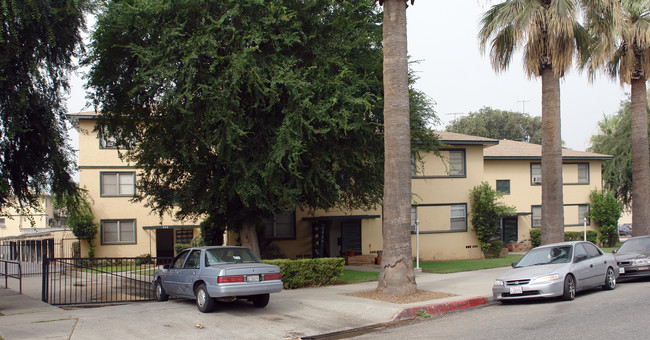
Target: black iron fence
{"points": [[15, 272], [30, 253], [78, 281]]}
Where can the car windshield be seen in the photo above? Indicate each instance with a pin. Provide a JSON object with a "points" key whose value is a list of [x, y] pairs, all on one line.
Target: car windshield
{"points": [[546, 255], [635, 245], [229, 255]]}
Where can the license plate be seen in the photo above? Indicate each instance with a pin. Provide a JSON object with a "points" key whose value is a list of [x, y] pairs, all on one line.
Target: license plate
{"points": [[253, 278], [621, 270], [516, 290]]}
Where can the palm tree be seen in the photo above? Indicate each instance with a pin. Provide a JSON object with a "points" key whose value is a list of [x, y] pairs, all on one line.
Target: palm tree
{"points": [[550, 35], [397, 275], [624, 48]]}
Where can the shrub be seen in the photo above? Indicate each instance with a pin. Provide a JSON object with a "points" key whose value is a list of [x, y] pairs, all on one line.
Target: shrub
{"points": [[143, 259], [196, 242], [605, 210], [535, 237], [486, 215], [592, 236], [309, 272]]}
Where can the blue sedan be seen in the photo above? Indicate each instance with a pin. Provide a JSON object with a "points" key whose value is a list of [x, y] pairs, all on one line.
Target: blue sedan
{"points": [[219, 272]]}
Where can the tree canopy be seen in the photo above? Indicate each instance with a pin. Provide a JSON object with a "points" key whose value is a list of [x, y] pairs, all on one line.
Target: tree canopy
{"points": [[613, 138], [39, 40], [499, 124], [242, 109]]}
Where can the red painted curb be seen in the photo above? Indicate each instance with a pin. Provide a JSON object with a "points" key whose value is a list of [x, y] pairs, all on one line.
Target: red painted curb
{"points": [[440, 308]]}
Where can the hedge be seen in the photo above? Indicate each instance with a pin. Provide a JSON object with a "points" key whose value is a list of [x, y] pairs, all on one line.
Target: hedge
{"points": [[309, 272], [536, 236]]}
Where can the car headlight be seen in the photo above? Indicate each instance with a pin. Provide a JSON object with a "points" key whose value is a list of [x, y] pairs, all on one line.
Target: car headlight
{"points": [[498, 283], [545, 278], [640, 262]]}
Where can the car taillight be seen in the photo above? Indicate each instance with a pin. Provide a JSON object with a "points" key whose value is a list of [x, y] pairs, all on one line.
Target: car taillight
{"points": [[275, 276], [229, 279]]}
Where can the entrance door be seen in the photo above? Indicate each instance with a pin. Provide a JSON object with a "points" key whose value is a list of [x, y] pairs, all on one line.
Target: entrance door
{"points": [[351, 237], [510, 229], [164, 242], [320, 239]]}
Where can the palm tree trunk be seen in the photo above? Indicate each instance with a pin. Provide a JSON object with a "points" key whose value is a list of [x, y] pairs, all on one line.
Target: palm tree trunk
{"points": [[552, 195], [640, 160], [396, 276]]}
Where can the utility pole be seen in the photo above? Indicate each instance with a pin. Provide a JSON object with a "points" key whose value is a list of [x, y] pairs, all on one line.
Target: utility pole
{"points": [[523, 105]]}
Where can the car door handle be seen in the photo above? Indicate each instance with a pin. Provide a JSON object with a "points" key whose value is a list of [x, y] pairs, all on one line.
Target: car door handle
{"points": [[591, 266]]}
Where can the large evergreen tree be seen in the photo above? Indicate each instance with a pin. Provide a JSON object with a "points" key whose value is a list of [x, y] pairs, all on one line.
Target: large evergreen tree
{"points": [[242, 109], [500, 124], [39, 40]]}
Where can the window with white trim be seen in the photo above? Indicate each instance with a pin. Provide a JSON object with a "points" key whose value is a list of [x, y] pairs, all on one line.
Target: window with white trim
{"points": [[536, 212], [458, 217], [535, 174], [414, 218], [117, 183], [583, 211], [281, 226], [583, 173], [457, 163], [118, 231]]}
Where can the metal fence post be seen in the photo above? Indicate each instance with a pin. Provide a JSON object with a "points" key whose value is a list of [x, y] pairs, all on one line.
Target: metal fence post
{"points": [[44, 276]]}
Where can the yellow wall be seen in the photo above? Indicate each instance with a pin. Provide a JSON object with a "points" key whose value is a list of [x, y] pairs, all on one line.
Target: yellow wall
{"points": [[523, 195], [31, 219], [92, 162]]}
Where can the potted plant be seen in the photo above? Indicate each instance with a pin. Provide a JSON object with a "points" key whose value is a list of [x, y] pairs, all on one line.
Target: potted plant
{"points": [[378, 258]]}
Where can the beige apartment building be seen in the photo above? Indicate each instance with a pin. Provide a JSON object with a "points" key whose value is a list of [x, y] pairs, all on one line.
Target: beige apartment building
{"points": [[441, 209]]}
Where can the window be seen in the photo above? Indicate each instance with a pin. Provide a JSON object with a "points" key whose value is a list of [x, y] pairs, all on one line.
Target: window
{"points": [[457, 163], [281, 226], [583, 173], [583, 211], [117, 183], [193, 261], [503, 186], [118, 232], [107, 142], [178, 261], [458, 217], [536, 213], [2, 222], [414, 218], [592, 251], [535, 174]]}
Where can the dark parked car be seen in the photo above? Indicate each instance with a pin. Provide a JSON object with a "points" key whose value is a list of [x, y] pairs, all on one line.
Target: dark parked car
{"points": [[557, 270], [625, 230], [633, 257], [223, 273]]}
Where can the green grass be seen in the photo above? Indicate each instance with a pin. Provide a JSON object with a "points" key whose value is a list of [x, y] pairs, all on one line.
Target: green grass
{"points": [[354, 276], [444, 267]]}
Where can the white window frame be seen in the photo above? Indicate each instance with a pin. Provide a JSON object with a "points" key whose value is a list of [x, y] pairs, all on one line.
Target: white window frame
{"points": [[535, 174], [454, 218], [583, 167], [534, 217], [453, 170], [118, 179], [119, 223], [272, 230]]}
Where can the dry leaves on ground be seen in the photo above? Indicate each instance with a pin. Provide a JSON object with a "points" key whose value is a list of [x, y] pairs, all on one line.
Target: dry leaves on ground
{"points": [[422, 295]]}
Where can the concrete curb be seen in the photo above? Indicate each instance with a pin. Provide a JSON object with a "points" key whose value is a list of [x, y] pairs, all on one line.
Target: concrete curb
{"points": [[441, 308]]}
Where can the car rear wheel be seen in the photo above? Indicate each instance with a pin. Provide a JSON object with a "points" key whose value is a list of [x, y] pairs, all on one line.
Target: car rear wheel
{"points": [[261, 300], [161, 294], [610, 279], [569, 288], [203, 300]]}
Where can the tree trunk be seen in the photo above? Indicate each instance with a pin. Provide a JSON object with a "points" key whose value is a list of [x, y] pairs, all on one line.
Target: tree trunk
{"points": [[640, 160], [552, 195], [396, 276], [248, 237]]}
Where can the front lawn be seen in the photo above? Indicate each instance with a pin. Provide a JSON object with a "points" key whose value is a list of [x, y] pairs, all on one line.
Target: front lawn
{"points": [[442, 267]]}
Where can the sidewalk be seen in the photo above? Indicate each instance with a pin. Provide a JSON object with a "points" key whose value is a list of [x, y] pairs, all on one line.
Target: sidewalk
{"points": [[291, 314]]}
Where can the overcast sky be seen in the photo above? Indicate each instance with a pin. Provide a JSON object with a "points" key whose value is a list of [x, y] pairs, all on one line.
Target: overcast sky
{"points": [[452, 71], [454, 74]]}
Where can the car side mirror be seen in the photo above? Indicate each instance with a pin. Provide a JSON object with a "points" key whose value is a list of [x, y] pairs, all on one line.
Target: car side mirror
{"points": [[514, 264], [581, 258], [166, 267], [614, 251]]}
